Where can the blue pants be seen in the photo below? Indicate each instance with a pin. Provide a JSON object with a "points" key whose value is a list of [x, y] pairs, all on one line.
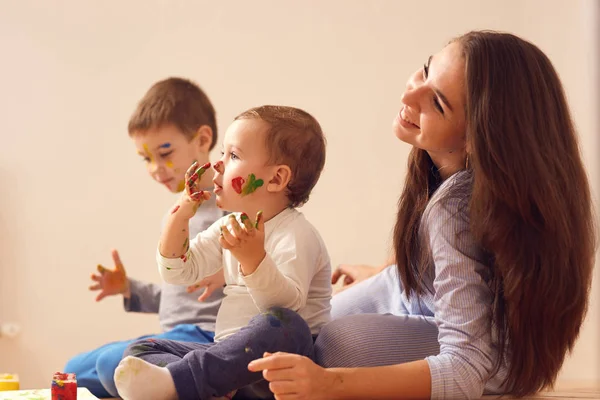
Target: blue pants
{"points": [[201, 371], [95, 369]]}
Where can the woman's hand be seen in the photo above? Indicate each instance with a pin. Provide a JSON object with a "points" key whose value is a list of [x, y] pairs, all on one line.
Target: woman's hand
{"points": [[352, 274], [292, 376]]}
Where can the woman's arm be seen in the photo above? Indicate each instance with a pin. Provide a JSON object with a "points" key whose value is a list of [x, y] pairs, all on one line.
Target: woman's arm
{"points": [[291, 374]]}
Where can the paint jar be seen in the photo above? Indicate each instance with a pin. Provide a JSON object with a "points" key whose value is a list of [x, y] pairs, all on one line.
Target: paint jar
{"points": [[9, 382], [64, 386]]}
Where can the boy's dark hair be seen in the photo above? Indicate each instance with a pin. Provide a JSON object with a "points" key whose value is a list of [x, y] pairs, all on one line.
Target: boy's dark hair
{"points": [[174, 101], [295, 139]]}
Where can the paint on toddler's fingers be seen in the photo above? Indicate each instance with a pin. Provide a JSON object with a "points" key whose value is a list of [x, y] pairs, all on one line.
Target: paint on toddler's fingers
{"points": [[251, 185], [237, 184], [259, 217], [218, 167], [181, 186], [101, 269], [197, 196], [165, 146], [175, 209], [203, 169], [244, 217]]}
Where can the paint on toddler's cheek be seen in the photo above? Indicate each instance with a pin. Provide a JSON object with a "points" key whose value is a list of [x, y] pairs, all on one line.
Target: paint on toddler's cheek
{"points": [[237, 184], [181, 186], [246, 187], [165, 146], [169, 164]]}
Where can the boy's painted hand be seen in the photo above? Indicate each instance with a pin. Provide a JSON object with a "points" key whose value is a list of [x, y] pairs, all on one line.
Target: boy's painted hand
{"points": [[193, 196], [111, 281], [246, 241], [210, 283]]}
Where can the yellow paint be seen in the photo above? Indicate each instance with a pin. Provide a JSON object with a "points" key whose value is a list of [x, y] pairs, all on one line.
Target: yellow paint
{"points": [[9, 382], [181, 186], [148, 154], [169, 164]]}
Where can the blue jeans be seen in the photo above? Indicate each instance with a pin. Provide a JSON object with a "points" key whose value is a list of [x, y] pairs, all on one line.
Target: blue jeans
{"points": [[203, 371], [95, 369]]}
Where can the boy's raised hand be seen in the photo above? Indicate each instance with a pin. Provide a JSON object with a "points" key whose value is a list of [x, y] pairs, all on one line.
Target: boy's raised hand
{"points": [[193, 196], [111, 281], [246, 242]]}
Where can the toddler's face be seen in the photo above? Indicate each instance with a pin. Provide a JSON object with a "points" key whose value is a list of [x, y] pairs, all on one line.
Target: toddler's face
{"points": [[167, 154], [242, 171]]}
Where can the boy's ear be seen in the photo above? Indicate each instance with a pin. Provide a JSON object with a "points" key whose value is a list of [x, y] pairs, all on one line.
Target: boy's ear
{"points": [[205, 138], [280, 178]]}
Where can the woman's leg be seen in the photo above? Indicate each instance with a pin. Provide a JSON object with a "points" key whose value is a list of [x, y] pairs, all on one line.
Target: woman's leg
{"points": [[369, 340]]}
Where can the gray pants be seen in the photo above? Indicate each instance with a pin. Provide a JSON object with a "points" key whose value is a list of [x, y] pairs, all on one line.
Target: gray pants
{"points": [[206, 370], [374, 324]]}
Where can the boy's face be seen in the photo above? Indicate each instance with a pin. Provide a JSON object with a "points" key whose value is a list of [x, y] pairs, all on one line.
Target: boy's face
{"points": [[242, 172], [167, 154]]}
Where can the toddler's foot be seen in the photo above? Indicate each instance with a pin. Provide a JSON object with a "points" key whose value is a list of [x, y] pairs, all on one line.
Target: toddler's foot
{"points": [[137, 379]]}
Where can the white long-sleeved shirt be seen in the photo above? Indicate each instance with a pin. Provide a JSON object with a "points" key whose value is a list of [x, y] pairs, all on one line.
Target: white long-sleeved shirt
{"points": [[295, 273]]}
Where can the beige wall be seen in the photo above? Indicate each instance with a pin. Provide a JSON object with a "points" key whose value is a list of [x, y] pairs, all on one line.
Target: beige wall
{"points": [[73, 187]]}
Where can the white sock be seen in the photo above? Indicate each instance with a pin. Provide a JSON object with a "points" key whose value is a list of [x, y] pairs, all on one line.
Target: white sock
{"points": [[137, 379]]}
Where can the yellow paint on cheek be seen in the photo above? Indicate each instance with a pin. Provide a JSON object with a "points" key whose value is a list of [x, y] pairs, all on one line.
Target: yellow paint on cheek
{"points": [[181, 186], [169, 164], [148, 154]]}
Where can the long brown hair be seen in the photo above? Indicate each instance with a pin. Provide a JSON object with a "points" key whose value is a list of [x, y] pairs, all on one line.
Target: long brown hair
{"points": [[530, 206]]}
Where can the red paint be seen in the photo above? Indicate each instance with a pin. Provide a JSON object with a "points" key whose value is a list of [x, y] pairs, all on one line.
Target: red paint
{"points": [[64, 386], [175, 209], [218, 167], [237, 184], [184, 258], [206, 166]]}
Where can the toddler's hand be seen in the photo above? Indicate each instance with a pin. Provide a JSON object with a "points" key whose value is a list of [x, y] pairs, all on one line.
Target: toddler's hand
{"points": [[246, 242], [111, 281], [193, 196], [210, 283]]}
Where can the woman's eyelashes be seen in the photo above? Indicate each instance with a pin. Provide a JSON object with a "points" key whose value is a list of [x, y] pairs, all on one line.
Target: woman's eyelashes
{"points": [[436, 101]]}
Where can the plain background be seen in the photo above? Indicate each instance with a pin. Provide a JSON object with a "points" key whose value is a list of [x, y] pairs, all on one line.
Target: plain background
{"points": [[73, 186]]}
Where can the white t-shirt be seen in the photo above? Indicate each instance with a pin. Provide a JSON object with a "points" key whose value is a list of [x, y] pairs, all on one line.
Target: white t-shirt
{"points": [[295, 274]]}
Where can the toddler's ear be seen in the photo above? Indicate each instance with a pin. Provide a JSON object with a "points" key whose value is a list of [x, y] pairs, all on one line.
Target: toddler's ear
{"points": [[205, 138], [280, 178]]}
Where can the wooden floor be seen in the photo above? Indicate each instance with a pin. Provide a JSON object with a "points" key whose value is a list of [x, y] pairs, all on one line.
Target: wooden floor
{"points": [[564, 391]]}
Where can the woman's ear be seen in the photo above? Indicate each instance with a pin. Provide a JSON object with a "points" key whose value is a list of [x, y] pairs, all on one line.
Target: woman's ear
{"points": [[280, 178], [204, 135]]}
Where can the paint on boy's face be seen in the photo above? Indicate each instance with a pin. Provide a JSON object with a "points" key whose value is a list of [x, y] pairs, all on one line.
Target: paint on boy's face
{"points": [[249, 187], [148, 153], [169, 164], [219, 167], [181, 186], [164, 146]]}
